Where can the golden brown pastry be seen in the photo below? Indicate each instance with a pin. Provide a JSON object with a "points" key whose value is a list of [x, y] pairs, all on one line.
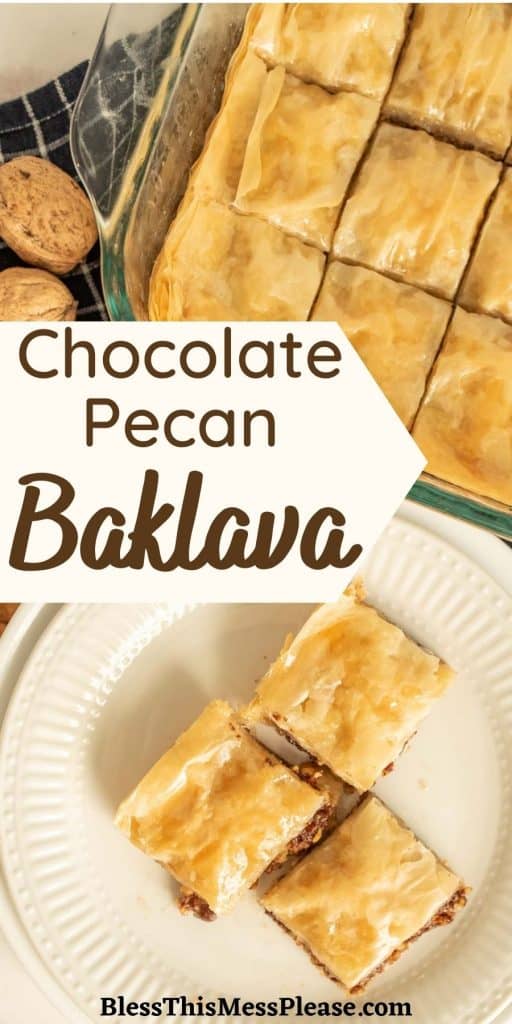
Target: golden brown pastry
{"points": [[350, 689], [364, 894], [340, 46], [455, 75], [415, 209], [217, 264], [396, 329], [218, 809], [217, 172], [464, 426], [488, 284], [303, 148]]}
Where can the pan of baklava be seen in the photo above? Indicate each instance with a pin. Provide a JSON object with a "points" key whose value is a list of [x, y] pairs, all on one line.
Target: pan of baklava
{"points": [[339, 162]]}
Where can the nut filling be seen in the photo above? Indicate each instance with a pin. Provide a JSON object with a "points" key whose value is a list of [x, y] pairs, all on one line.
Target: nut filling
{"points": [[191, 903], [310, 835]]}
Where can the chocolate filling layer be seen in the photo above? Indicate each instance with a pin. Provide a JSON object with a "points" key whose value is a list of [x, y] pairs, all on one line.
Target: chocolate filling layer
{"points": [[311, 834], [191, 903]]}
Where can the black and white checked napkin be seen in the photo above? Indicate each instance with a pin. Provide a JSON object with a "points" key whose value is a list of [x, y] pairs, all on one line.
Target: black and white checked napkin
{"points": [[37, 124]]}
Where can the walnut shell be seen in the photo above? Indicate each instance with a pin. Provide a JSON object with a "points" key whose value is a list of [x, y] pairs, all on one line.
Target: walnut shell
{"points": [[45, 217], [27, 294]]}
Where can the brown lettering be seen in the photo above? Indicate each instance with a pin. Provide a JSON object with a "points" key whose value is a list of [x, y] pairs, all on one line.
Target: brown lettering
{"points": [[30, 513]]}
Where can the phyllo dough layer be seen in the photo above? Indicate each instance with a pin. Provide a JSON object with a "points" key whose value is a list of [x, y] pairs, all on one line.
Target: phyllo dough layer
{"points": [[364, 893], [218, 808], [464, 426], [456, 74], [220, 265], [415, 209], [217, 172], [340, 46], [395, 328], [303, 148], [488, 285], [351, 689]]}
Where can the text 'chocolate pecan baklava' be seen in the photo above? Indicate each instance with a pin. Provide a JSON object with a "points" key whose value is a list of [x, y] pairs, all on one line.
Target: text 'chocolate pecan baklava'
{"points": [[357, 171]]}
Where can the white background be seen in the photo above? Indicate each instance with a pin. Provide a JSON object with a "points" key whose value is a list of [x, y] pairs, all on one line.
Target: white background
{"points": [[40, 41]]}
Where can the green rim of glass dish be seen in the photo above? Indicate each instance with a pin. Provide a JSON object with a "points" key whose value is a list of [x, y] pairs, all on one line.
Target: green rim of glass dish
{"points": [[463, 508]]}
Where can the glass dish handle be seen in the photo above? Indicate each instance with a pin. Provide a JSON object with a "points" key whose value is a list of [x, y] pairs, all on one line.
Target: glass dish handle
{"points": [[110, 140]]}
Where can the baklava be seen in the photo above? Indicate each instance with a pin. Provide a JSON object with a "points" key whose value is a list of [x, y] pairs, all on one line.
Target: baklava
{"points": [[350, 690], [217, 173], [302, 150], [363, 895], [218, 810], [488, 285], [374, 136], [395, 328], [464, 427], [221, 265], [455, 76], [416, 208], [340, 46]]}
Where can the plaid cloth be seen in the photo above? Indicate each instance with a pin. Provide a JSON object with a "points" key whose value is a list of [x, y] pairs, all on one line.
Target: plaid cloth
{"points": [[37, 124]]}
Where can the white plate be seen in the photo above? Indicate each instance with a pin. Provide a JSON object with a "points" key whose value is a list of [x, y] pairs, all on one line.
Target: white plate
{"points": [[110, 686]]}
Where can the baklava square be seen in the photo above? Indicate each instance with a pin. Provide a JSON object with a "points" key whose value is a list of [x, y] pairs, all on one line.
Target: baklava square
{"points": [[488, 284], [340, 46], [366, 893], [455, 75], [303, 149], [415, 209], [218, 809], [395, 328], [217, 264], [217, 173], [464, 426], [350, 690]]}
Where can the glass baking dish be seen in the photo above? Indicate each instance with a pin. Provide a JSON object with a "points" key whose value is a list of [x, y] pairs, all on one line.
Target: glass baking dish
{"points": [[152, 89]]}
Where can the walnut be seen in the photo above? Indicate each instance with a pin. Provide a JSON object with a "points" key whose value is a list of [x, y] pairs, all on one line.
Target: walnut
{"points": [[27, 294], [45, 217]]}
